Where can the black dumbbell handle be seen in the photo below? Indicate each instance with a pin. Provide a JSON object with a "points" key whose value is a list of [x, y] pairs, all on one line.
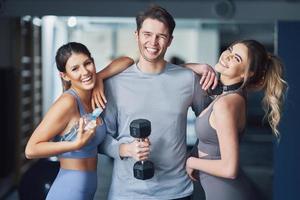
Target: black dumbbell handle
{"points": [[141, 140]]}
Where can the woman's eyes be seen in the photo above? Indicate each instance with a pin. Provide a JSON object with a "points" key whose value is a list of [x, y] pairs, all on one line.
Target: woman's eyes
{"points": [[74, 69], [235, 57], [87, 63]]}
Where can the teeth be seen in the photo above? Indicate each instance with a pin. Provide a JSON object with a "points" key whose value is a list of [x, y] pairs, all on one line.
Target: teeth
{"points": [[86, 79], [152, 50]]}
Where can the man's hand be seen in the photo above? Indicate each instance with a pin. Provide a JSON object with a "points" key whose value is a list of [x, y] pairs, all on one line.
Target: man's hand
{"points": [[139, 150]]}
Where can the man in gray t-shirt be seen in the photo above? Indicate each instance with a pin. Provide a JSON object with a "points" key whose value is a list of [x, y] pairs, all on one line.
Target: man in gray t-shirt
{"points": [[162, 93]]}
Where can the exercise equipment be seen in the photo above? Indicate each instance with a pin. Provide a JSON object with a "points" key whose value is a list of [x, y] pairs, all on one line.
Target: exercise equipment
{"points": [[141, 129]]}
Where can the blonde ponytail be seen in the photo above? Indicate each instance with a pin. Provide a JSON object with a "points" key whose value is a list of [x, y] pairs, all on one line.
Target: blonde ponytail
{"points": [[275, 87]]}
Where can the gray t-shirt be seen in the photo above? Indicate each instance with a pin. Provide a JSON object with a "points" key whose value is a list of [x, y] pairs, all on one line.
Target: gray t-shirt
{"points": [[163, 99]]}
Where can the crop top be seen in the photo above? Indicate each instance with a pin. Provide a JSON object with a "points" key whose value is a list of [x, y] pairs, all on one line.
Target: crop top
{"points": [[207, 135], [90, 149]]}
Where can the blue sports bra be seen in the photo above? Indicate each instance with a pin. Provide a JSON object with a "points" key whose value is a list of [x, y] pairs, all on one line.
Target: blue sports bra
{"points": [[90, 149]]}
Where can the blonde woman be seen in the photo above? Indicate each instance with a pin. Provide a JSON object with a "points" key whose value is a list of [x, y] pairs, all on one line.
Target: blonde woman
{"points": [[244, 66]]}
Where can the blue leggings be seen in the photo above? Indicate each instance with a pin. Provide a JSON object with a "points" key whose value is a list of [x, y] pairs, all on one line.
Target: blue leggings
{"points": [[73, 185]]}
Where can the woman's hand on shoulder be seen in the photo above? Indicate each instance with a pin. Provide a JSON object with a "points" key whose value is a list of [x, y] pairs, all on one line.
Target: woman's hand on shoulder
{"points": [[208, 75], [98, 96], [116, 66]]}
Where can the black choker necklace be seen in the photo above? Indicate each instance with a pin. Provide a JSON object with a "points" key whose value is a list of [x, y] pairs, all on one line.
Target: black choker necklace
{"points": [[224, 88]]}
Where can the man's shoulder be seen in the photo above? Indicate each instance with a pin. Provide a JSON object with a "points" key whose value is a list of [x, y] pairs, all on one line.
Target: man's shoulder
{"points": [[171, 66], [180, 70], [127, 72]]}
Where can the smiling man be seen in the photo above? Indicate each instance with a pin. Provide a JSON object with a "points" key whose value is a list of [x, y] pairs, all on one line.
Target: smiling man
{"points": [[161, 92]]}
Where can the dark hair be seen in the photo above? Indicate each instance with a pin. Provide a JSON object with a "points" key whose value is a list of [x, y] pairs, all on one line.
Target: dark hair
{"points": [[64, 53], [266, 72], [158, 13]]}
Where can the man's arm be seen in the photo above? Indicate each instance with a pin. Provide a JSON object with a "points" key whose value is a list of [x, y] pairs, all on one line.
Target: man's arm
{"points": [[110, 145], [200, 98], [115, 145]]}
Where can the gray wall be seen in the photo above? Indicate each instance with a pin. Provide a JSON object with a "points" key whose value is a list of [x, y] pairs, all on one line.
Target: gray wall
{"points": [[242, 9]]}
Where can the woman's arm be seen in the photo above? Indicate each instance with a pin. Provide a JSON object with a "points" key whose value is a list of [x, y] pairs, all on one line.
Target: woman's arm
{"points": [[225, 117], [116, 66], [208, 75], [55, 122]]}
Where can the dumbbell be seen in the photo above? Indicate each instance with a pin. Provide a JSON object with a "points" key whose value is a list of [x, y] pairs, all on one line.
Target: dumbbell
{"points": [[141, 129]]}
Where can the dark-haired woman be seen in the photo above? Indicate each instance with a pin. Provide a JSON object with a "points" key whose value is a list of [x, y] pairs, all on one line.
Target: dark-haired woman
{"points": [[77, 177]]}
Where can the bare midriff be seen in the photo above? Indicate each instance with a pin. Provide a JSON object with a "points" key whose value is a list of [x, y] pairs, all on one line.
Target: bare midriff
{"points": [[84, 164]]}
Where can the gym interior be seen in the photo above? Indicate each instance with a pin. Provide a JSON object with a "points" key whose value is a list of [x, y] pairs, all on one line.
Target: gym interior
{"points": [[31, 31]]}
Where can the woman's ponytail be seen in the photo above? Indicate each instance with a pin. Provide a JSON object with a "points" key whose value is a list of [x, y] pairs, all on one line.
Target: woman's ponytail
{"points": [[275, 87]]}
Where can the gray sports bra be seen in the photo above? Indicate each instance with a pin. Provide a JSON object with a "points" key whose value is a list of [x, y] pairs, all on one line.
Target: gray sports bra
{"points": [[207, 135]]}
